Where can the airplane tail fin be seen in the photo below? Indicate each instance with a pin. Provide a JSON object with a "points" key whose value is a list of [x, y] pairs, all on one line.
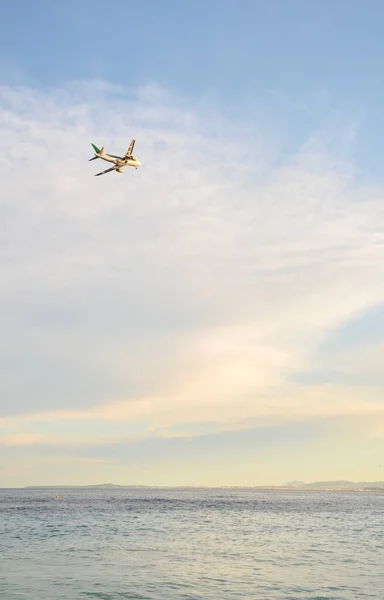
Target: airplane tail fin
{"points": [[96, 149]]}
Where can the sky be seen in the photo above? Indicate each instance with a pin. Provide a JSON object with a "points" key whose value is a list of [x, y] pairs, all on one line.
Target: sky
{"points": [[215, 317]]}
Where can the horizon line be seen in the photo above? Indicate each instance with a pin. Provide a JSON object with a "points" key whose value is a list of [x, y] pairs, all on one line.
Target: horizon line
{"points": [[291, 485]]}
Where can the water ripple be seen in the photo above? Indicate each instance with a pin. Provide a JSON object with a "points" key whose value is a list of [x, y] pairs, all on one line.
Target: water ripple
{"points": [[190, 544]]}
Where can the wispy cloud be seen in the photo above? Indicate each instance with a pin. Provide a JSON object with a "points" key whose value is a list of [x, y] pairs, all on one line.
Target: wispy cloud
{"points": [[190, 291]]}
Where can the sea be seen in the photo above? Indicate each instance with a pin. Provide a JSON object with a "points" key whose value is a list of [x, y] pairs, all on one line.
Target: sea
{"points": [[190, 544]]}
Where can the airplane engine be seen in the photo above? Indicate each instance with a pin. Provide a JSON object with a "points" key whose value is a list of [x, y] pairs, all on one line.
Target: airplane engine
{"points": [[119, 170]]}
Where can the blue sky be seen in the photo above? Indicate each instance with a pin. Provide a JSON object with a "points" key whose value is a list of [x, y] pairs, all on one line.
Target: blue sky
{"points": [[201, 46], [218, 314]]}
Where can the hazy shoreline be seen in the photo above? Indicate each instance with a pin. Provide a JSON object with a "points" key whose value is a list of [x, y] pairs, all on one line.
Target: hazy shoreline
{"points": [[324, 486]]}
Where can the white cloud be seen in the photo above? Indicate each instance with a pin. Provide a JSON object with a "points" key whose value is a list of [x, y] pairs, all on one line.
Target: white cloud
{"points": [[188, 291]]}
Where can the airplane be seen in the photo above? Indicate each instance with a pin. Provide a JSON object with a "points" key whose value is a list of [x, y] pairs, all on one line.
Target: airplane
{"points": [[128, 160]]}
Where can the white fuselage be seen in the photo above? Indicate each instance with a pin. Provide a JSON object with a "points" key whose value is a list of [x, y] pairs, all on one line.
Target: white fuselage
{"points": [[119, 161]]}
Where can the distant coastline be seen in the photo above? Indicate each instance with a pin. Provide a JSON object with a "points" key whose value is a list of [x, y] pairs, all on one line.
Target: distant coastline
{"points": [[324, 486]]}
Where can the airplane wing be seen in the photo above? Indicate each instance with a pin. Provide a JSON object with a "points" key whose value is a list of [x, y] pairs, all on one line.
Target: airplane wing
{"points": [[130, 149], [106, 171]]}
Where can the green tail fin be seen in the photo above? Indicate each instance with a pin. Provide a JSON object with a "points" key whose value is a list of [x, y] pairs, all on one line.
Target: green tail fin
{"points": [[96, 149]]}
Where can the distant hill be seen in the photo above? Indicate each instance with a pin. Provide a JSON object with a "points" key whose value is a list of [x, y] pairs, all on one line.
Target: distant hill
{"points": [[103, 485], [338, 484], [341, 485]]}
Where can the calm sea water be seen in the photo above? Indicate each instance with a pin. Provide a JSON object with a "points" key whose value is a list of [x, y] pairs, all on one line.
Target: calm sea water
{"points": [[190, 545]]}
